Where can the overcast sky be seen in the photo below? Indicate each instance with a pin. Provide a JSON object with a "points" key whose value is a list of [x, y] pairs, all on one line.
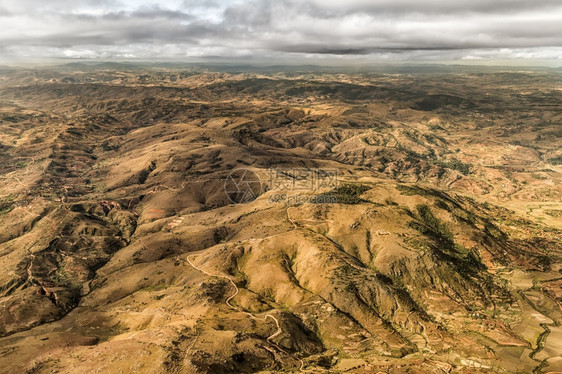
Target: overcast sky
{"points": [[299, 30]]}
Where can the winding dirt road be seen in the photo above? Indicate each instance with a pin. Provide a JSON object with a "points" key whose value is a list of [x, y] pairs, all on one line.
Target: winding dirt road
{"points": [[240, 310]]}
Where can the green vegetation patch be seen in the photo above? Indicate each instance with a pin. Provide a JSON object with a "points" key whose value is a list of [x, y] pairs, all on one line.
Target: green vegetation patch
{"points": [[554, 213], [431, 225], [556, 160], [417, 190], [444, 245], [344, 194], [457, 165], [7, 204]]}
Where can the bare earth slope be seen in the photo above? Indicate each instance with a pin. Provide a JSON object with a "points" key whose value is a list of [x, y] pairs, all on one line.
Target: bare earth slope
{"points": [[439, 250]]}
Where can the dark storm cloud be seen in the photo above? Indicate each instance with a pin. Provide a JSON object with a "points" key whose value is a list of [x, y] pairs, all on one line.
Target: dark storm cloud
{"points": [[277, 28]]}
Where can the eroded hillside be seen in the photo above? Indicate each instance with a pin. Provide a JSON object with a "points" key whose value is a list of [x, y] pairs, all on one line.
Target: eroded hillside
{"points": [[433, 246]]}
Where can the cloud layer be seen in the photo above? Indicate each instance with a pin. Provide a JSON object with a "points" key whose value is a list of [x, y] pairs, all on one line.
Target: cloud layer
{"points": [[384, 29]]}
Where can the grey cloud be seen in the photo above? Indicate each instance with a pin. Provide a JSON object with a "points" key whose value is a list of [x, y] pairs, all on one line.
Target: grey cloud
{"points": [[248, 16], [203, 3], [143, 14], [5, 13], [427, 6], [268, 27]]}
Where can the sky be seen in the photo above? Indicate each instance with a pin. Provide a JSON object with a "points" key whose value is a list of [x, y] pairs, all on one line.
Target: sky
{"points": [[469, 31]]}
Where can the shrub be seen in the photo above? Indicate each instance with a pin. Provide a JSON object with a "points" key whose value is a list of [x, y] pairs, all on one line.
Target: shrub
{"points": [[556, 160], [6, 204]]}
